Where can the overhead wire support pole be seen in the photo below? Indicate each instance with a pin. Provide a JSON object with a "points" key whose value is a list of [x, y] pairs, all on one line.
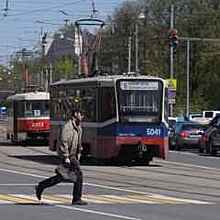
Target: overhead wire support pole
{"points": [[171, 48], [129, 54], [188, 78], [136, 48], [188, 40], [171, 52], [83, 55]]}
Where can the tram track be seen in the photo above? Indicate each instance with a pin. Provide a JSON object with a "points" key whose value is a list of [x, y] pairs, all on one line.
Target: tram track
{"points": [[123, 183], [182, 167], [119, 177]]}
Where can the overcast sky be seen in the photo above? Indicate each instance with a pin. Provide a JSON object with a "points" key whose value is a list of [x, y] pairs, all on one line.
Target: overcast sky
{"points": [[21, 28]]}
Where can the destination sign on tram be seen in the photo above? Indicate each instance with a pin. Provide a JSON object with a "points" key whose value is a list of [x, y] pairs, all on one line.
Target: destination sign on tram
{"points": [[139, 85]]}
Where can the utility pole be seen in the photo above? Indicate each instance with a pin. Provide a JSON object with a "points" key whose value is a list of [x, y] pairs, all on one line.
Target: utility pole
{"points": [[145, 46], [187, 74], [129, 54], [136, 48], [171, 48], [171, 52], [188, 40], [43, 44]]}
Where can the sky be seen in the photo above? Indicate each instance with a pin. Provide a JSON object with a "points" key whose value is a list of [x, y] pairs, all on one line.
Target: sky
{"points": [[26, 20]]}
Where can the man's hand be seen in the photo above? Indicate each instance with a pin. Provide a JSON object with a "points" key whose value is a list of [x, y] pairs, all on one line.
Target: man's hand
{"points": [[67, 160], [66, 163]]}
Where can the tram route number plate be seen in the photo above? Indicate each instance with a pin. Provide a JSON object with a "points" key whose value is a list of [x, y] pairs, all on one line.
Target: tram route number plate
{"points": [[142, 147]]}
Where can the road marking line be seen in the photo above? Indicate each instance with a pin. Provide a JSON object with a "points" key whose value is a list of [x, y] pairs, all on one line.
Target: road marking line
{"points": [[99, 186], [189, 165], [174, 199], [97, 199], [16, 199], [11, 199], [129, 200], [2, 202], [100, 199], [111, 200], [149, 198], [30, 184], [98, 212], [27, 198], [22, 173], [54, 199]]}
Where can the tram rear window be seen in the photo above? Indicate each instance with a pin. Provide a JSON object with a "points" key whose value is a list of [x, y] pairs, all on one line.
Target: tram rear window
{"points": [[33, 108], [140, 101]]}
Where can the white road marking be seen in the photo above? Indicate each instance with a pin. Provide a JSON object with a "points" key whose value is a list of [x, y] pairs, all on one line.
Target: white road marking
{"points": [[2, 202], [100, 199], [97, 212], [54, 202], [191, 165], [105, 187], [29, 184]]}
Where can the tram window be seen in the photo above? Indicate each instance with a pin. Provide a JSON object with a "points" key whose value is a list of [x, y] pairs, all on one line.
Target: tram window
{"points": [[88, 103], [19, 109], [107, 103], [28, 109], [140, 104], [36, 108]]}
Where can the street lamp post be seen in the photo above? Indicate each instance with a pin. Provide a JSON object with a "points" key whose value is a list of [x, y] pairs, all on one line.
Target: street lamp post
{"points": [[140, 17]]}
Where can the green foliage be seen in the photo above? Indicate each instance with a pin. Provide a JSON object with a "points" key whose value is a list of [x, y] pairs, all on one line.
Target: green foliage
{"points": [[64, 68], [193, 18]]}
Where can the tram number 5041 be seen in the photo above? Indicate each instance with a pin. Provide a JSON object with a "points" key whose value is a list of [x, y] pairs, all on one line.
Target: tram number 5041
{"points": [[153, 131]]}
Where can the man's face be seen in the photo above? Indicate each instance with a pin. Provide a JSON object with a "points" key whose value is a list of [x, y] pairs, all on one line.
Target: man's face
{"points": [[78, 116]]}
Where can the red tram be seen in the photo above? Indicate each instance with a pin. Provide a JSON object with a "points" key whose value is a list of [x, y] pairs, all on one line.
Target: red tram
{"points": [[28, 117]]}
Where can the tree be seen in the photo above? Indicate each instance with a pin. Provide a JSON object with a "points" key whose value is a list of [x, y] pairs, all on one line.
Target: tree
{"points": [[193, 18]]}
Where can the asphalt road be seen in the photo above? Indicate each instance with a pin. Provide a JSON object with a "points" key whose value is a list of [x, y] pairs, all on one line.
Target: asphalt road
{"points": [[184, 187]]}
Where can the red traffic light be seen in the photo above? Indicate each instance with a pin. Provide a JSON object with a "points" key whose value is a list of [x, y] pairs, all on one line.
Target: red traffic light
{"points": [[173, 37]]}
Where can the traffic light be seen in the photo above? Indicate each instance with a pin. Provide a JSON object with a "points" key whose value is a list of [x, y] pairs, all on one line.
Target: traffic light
{"points": [[173, 37]]}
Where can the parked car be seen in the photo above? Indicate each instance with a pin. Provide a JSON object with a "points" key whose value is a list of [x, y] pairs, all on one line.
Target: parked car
{"points": [[209, 115], [186, 134], [210, 140]]}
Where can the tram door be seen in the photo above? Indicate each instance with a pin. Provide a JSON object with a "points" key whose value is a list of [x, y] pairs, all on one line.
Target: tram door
{"points": [[15, 120]]}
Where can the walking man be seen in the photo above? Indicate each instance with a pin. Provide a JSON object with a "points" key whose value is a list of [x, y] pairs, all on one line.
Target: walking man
{"points": [[68, 150]]}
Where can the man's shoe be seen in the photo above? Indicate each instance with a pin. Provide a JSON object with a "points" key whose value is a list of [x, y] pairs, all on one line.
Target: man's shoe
{"points": [[79, 202], [38, 192]]}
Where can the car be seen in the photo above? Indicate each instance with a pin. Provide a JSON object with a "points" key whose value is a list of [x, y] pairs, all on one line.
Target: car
{"points": [[210, 140], [186, 134]]}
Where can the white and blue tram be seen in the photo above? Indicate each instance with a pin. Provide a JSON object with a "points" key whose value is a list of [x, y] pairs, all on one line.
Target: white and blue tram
{"points": [[125, 116]]}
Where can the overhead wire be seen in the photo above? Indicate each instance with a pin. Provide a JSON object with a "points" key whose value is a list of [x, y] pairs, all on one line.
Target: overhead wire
{"points": [[74, 15], [45, 9]]}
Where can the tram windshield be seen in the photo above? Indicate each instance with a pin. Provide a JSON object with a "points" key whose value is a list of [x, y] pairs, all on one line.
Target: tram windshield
{"points": [[33, 108], [140, 100]]}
